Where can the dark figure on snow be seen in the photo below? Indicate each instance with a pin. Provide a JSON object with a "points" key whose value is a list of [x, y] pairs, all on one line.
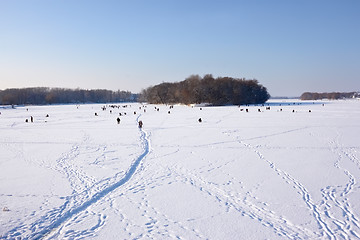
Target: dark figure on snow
{"points": [[140, 124], [31, 119], [200, 120], [118, 120]]}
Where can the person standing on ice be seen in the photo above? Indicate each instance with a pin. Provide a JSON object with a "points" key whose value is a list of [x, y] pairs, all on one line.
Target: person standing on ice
{"points": [[140, 124], [118, 120]]}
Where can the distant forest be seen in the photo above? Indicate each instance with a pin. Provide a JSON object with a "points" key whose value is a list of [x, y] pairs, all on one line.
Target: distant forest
{"points": [[207, 89], [43, 95], [332, 95]]}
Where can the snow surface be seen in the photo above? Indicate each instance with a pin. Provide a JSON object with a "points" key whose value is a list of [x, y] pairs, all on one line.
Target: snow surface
{"points": [[236, 175]]}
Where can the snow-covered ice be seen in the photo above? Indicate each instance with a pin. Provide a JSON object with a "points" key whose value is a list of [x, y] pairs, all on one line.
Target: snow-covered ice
{"points": [[273, 174]]}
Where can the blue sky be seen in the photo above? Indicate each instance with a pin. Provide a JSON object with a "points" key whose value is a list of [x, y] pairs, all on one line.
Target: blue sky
{"points": [[289, 46]]}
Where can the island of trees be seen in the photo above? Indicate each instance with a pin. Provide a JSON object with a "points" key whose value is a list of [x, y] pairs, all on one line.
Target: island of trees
{"points": [[207, 89], [331, 96]]}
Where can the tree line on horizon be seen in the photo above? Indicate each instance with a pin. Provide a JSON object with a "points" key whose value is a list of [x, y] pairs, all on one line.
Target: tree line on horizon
{"points": [[193, 90], [44, 95], [207, 89], [331, 95]]}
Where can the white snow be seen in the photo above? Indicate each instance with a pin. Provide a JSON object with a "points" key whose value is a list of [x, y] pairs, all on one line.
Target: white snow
{"points": [[236, 175]]}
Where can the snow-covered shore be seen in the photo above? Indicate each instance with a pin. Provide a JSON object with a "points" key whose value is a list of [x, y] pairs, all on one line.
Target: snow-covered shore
{"points": [[287, 172]]}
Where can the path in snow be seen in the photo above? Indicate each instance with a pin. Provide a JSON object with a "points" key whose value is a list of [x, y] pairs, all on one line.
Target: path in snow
{"points": [[47, 225]]}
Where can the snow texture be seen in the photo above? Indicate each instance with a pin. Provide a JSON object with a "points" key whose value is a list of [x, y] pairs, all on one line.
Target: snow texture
{"points": [[288, 172]]}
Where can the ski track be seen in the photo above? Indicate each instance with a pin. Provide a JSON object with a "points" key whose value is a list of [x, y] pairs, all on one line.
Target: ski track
{"points": [[333, 228], [81, 200], [157, 223], [300, 187], [337, 196], [79, 181], [281, 226]]}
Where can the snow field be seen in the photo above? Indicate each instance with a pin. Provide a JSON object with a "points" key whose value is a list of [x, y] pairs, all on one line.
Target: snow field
{"points": [[272, 174]]}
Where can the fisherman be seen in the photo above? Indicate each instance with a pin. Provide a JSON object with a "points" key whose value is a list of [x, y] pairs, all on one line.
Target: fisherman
{"points": [[140, 124]]}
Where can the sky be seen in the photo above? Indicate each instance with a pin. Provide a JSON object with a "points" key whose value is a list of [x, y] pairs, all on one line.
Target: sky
{"points": [[289, 46]]}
